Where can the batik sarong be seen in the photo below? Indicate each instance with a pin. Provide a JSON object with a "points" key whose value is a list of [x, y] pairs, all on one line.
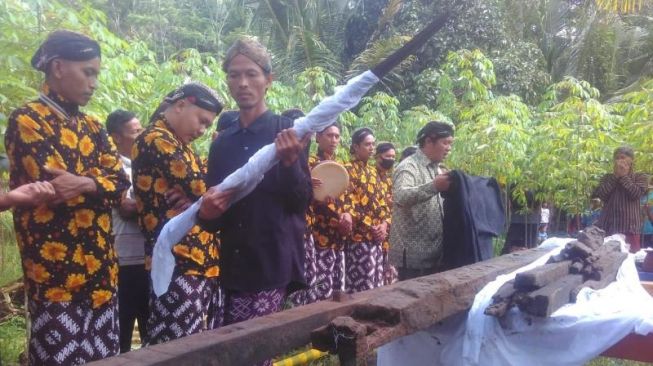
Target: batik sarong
{"points": [[191, 305], [363, 266], [70, 333], [241, 306], [330, 274]]}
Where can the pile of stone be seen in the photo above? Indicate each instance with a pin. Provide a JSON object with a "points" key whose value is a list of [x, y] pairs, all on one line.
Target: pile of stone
{"points": [[585, 262]]}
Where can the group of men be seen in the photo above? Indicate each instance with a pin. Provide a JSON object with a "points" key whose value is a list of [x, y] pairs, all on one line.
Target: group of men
{"points": [[89, 204]]}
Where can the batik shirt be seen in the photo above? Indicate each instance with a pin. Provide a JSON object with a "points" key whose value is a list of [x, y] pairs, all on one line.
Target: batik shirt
{"points": [[160, 161], [364, 201], [67, 250], [416, 233], [385, 185], [323, 218]]}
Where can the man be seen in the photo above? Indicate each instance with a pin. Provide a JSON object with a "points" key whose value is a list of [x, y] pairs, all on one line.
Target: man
{"points": [[327, 225], [366, 205], [27, 195], [620, 192], [66, 246], [262, 256], [168, 176], [133, 281], [385, 159], [416, 233]]}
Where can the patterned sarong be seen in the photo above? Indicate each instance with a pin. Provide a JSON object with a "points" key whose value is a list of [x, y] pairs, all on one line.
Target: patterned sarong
{"points": [[241, 306], [330, 274], [364, 266], [182, 310], [67, 333], [302, 297]]}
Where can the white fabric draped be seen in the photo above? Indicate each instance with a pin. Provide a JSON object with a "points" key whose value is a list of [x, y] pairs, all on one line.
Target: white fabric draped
{"points": [[247, 177]]}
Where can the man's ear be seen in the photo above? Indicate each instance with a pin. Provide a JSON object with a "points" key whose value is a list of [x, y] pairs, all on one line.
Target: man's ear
{"points": [[57, 68]]}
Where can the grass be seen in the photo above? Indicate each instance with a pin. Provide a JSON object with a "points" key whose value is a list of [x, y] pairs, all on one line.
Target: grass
{"points": [[10, 267], [605, 361], [12, 340]]}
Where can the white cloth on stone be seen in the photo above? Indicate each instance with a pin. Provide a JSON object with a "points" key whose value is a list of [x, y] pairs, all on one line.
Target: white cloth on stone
{"points": [[247, 177], [573, 335]]}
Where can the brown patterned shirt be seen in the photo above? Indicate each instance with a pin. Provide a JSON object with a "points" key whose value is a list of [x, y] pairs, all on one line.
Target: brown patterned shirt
{"points": [[323, 219], [67, 250], [364, 201], [160, 161], [621, 208]]}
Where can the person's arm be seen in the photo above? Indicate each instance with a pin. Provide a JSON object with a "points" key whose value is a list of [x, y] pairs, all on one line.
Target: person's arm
{"points": [[634, 184], [606, 185], [407, 192], [31, 194]]}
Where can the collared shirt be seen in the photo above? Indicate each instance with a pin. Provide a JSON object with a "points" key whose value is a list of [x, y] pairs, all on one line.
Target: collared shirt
{"points": [[324, 219], [130, 242], [66, 250], [365, 201], [620, 195], [416, 232], [262, 234], [162, 162]]}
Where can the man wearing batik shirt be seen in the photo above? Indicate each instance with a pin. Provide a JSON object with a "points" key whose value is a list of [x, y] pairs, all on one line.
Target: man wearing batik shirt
{"points": [[365, 202], [66, 246], [416, 233], [262, 256], [168, 176], [621, 191], [328, 225], [385, 159]]}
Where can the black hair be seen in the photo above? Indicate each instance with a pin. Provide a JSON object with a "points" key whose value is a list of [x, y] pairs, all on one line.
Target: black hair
{"points": [[117, 120], [410, 150], [358, 136], [293, 113], [434, 129], [385, 146]]}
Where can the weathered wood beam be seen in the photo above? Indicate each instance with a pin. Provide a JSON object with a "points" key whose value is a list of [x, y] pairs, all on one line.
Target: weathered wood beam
{"points": [[387, 313]]}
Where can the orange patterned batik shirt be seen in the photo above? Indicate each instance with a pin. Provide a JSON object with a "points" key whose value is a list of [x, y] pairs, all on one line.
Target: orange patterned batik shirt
{"points": [[160, 161], [67, 250]]}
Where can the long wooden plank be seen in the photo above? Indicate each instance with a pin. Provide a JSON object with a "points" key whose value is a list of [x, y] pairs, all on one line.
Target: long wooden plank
{"points": [[415, 304]]}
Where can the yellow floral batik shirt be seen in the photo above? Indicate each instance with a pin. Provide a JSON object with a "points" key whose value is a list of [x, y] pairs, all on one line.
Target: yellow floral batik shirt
{"points": [[364, 200], [160, 162], [323, 218], [385, 180], [67, 250]]}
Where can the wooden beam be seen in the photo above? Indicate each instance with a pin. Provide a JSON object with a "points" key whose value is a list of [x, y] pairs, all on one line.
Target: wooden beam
{"points": [[388, 313]]}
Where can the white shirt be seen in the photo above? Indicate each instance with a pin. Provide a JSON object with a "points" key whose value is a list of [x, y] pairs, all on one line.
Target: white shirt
{"points": [[129, 241]]}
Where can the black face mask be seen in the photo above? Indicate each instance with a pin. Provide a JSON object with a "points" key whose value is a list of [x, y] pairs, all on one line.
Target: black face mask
{"points": [[387, 163]]}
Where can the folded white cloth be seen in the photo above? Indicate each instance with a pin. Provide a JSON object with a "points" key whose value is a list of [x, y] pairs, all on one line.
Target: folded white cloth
{"points": [[247, 177]]}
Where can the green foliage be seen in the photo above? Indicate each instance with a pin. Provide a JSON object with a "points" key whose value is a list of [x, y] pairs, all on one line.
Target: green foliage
{"points": [[12, 340]]}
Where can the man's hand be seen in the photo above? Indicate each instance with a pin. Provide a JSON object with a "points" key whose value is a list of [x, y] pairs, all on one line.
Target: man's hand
{"points": [[68, 185], [621, 167], [214, 203], [31, 194], [177, 199], [380, 232], [345, 224], [289, 146], [127, 208], [442, 182]]}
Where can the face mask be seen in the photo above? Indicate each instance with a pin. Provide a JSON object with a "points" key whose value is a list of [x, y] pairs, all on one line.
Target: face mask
{"points": [[387, 163]]}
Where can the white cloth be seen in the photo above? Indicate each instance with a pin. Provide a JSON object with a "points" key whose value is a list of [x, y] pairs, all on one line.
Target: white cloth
{"points": [[129, 240], [573, 335], [247, 177], [545, 214]]}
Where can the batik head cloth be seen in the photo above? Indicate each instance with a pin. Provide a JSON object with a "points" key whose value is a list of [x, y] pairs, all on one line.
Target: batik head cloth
{"points": [[66, 45], [253, 50]]}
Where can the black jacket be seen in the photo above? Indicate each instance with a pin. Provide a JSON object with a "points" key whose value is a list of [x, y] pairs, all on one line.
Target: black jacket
{"points": [[473, 215]]}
